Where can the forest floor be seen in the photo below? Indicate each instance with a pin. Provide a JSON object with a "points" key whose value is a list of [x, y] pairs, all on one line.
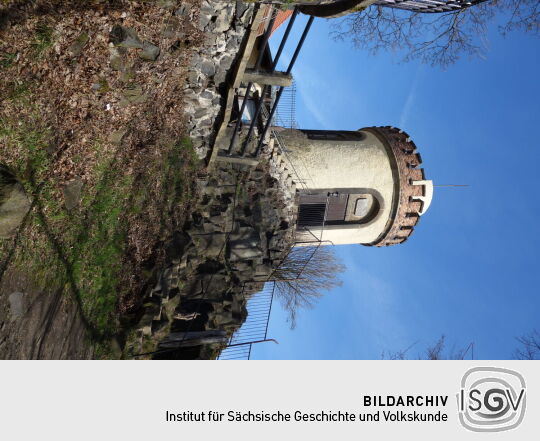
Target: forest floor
{"points": [[96, 135]]}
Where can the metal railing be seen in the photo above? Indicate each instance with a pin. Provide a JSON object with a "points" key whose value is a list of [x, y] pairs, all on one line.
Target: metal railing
{"points": [[312, 229], [286, 111], [260, 103], [255, 328]]}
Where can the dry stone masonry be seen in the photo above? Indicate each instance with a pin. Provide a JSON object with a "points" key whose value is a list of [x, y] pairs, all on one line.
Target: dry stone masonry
{"points": [[238, 235], [224, 24]]}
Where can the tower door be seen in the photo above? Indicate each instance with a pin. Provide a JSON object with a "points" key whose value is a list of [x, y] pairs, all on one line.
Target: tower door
{"points": [[317, 209]]}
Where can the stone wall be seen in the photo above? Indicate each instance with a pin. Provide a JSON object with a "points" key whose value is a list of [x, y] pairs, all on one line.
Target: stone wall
{"points": [[239, 233], [224, 24]]}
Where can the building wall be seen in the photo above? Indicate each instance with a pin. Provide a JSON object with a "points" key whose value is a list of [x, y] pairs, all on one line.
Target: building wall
{"points": [[355, 162]]}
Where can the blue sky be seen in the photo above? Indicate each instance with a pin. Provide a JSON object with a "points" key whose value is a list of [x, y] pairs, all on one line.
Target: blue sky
{"points": [[470, 269]]}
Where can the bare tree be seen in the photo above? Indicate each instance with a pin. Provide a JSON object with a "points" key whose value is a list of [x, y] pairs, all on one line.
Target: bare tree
{"points": [[436, 351], [529, 346], [438, 39], [529, 349], [304, 275]]}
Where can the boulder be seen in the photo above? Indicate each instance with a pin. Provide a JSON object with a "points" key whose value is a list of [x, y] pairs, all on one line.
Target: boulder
{"points": [[14, 204], [72, 193], [78, 45], [149, 52], [16, 305], [125, 37]]}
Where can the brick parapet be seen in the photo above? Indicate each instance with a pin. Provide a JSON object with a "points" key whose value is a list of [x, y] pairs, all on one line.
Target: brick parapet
{"points": [[406, 161]]}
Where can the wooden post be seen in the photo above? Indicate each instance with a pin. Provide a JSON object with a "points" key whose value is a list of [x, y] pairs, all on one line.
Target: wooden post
{"points": [[281, 79]]}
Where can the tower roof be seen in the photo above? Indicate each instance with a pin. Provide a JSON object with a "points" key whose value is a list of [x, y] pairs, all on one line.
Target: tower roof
{"points": [[412, 192]]}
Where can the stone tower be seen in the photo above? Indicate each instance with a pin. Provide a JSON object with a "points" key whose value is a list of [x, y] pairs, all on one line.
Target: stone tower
{"points": [[356, 187]]}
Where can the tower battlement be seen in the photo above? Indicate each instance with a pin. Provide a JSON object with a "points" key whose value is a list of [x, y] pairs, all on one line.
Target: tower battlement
{"points": [[413, 193]]}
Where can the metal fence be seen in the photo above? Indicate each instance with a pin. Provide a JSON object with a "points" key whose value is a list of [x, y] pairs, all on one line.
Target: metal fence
{"points": [[255, 328]]}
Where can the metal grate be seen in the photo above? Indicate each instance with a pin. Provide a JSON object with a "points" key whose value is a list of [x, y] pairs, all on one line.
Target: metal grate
{"points": [[286, 109], [255, 328], [311, 215], [242, 352]]}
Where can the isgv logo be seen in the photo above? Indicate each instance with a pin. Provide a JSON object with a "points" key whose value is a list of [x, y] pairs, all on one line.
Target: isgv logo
{"points": [[491, 399]]}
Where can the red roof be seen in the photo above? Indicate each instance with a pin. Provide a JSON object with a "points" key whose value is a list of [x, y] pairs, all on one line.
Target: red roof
{"points": [[281, 18]]}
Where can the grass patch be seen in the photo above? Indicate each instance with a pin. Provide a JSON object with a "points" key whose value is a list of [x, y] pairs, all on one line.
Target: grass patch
{"points": [[17, 91], [106, 248], [87, 251], [7, 59], [43, 39], [96, 253], [28, 142]]}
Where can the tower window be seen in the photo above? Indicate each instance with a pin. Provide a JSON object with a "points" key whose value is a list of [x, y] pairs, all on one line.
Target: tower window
{"points": [[362, 207]]}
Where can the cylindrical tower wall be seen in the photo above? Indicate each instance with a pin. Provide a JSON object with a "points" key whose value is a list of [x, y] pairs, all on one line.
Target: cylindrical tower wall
{"points": [[339, 159], [361, 186], [354, 162]]}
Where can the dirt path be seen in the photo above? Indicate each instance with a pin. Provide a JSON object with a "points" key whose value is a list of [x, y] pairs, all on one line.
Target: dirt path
{"points": [[37, 324]]}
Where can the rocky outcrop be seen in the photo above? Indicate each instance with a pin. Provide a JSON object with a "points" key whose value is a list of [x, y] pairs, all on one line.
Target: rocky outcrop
{"points": [[238, 235]]}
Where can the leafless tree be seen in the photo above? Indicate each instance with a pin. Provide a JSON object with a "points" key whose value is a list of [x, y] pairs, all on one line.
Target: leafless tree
{"points": [[438, 39], [529, 349], [304, 275], [529, 346], [436, 351]]}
